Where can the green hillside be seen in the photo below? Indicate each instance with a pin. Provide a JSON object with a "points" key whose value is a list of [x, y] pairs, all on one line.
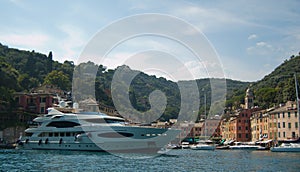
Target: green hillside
{"points": [[22, 70], [279, 85]]}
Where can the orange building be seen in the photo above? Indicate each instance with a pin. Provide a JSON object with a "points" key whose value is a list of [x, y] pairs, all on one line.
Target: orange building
{"points": [[238, 126]]}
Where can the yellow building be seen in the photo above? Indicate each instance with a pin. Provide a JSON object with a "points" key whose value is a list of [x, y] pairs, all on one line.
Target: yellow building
{"points": [[263, 125]]}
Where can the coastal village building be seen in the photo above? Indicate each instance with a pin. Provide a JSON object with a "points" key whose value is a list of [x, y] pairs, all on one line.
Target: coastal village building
{"points": [[263, 125], [189, 129], [224, 127], [205, 129], [287, 121], [39, 99], [238, 126], [211, 127]]}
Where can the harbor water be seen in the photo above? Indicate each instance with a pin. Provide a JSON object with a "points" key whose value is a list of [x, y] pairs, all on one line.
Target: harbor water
{"points": [[175, 160]]}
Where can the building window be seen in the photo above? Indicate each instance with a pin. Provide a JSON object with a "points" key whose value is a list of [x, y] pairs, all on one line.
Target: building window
{"points": [[296, 124], [282, 114], [246, 129], [242, 115], [289, 125], [43, 99], [296, 114], [240, 135], [284, 134], [278, 134], [289, 114], [247, 135], [278, 115], [42, 109], [278, 124], [283, 124]]}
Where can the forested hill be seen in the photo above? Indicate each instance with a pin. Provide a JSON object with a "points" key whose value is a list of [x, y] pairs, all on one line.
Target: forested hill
{"points": [[275, 88], [22, 70], [279, 85]]}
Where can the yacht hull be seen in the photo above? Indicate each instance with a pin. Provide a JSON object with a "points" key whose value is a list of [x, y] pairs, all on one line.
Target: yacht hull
{"points": [[108, 139]]}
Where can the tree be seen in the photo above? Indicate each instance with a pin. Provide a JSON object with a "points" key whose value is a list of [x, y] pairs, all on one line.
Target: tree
{"points": [[49, 63], [59, 79], [8, 76], [8, 82], [26, 82]]}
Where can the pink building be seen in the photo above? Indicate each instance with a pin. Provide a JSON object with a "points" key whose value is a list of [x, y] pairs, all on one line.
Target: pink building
{"points": [[39, 99]]}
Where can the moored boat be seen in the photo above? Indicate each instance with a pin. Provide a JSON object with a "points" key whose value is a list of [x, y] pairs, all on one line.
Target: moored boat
{"points": [[287, 147], [204, 145], [92, 132], [222, 147], [239, 145]]}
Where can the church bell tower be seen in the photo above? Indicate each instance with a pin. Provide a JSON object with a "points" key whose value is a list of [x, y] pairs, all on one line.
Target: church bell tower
{"points": [[249, 99]]}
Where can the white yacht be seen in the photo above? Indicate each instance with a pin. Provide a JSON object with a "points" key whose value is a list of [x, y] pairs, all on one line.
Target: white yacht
{"points": [[287, 147], [93, 132]]}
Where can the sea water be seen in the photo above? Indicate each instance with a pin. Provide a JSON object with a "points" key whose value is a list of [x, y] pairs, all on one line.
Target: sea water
{"points": [[175, 160]]}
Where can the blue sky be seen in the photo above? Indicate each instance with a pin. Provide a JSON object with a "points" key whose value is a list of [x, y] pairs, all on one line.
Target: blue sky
{"points": [[250, 37]]}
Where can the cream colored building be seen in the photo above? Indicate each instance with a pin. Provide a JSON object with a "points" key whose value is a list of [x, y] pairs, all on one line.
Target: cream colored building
{"points": [[287, 121]]}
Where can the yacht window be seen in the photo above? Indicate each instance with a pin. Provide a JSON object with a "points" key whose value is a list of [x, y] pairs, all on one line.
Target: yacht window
{"points": [[62, 134], [62, 124], [115, 135], [114, 120], [101, 120], [50, 134], [68, 134], [42, 135], [28, 134], [55, 134]]}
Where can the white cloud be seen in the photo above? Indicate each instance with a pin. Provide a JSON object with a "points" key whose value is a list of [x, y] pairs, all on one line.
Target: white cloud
{"points": [[253, 36], [31, 41], [260, 48], [263, 44]]}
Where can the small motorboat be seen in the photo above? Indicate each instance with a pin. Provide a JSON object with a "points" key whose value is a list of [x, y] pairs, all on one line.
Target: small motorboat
{"points": [[204, 145], [239, 145]]}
